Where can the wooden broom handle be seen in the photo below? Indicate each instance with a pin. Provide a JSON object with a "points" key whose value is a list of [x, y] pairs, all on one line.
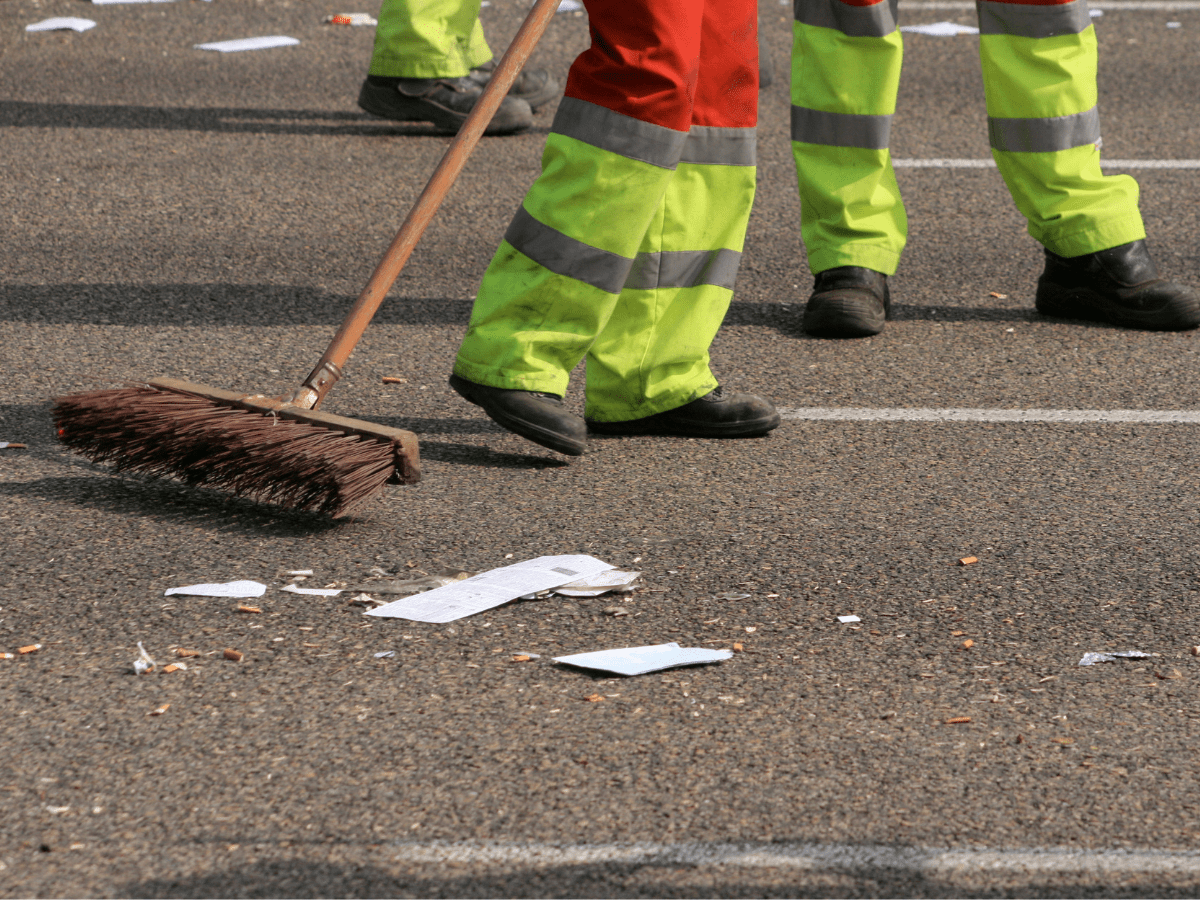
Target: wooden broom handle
{"points": [[329, 369]]}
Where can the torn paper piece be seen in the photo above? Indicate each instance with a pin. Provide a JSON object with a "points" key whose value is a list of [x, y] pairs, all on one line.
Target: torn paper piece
{"points": [[595, 585], [569, 6], [233, 589], [1090, 659], [143, 663], [254, 43], [351, 19], [311, 592], [1171, 24], [304, 572], [941, 29], [845, 619], [385, 654], [640, 660], [489, 589], [10, 445], [60, 23]]}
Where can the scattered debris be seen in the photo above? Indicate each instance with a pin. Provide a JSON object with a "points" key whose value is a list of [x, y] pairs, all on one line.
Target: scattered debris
{"points": [[365, 600], [847, 619], [640, 660], [968, 561], [394, 379], [1090, 659], [408, 586], [243, 608], [1174, 24], [311, 592], [569, 6], [612, 581], [174, 667], [144, 663], [186, 654], [617, 611], [352, 19], [254, 43], [235, 655], [968, 644], [1196, 651], [58, 23], [158, 711], [1066, 742], [958, 720], [232, 589], [1175, 674], [997, 295], [385, 654], [594, 698], [490, 589], [731, 595], [940, 29], [12, 445], [525, 657], [29, 648], [302, 573]]}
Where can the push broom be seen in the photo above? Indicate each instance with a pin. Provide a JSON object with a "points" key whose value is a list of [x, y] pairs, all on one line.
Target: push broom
{"points": [[283, 450]]}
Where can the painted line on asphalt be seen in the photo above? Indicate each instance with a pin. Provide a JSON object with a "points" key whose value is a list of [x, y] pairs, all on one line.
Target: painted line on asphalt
{"points": [[991, 163], [925, 862], [1133, 5], [1036, 416]]}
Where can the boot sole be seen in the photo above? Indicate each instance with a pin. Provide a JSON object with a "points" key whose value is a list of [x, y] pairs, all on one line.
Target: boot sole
{"points": [[388, 103], [754, 428], [531, 431], [844, 315], [1089, 306]]}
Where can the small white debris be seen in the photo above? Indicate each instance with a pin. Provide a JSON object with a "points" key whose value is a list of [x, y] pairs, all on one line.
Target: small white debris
{"points": [[846, 619], [254, 43], [235, 589], [143, 663], [58, 23], [385, 654], [941, 29]]}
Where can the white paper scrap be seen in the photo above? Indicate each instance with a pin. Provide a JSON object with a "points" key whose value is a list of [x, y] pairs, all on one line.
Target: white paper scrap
{"points": [[849, 619], [941, 29], [569, 6], [1090, 659], [640, 660], [1095, 13], [61, 23], [488, 589], [311, 592], [254, 43], [300, 572], [228, 589], [595, 585]]}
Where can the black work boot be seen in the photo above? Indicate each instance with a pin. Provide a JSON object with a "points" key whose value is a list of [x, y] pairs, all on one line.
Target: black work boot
{"points": [[443, 101], [535, 86], [539, 417], [715, 415], [1119, 286], [847, 302]]}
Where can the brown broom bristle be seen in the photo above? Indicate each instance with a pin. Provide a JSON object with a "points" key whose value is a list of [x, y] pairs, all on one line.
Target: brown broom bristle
{"points": [[263, 457]]}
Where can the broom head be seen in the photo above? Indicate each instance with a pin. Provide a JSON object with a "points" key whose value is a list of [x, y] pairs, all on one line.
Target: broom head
{"points": [[253, 446]]}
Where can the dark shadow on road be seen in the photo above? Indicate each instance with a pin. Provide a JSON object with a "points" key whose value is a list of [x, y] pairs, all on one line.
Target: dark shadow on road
{"points": [[485, 457], [787, 319], [210, 304], [303, 878]]}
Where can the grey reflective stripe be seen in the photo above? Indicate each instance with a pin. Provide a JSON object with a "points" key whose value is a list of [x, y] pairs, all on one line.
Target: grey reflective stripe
{"points": [[1044, 135], [684, 268], [1025, 20], [876, 20], [812, 126], [617, 133], [714, 146], [564, 255]]}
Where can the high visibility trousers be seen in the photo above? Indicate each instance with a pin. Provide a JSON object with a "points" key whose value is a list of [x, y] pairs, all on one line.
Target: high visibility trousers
{"points": [[1039, 78], [626, 248], [428, 39]]}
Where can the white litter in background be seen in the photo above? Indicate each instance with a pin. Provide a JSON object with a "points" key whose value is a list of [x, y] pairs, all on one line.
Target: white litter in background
{"points": [[385, 654], [489, 589], [1090, 659], [300, 572], [569, 6], [1174, 24], [1095, 13], [60, 23], [595, 585], [351, 19], [311, 592], [845, 619], [254, 43], [640, 660], [228, 589], [941, 29]]}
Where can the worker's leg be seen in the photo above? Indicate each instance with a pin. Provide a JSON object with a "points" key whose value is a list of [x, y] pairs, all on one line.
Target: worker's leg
{"points": [[1039, 74], [428, 39], [652, 356], [845, 74]]}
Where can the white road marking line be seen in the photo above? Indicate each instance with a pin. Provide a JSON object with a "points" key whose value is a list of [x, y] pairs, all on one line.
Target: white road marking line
{"points": [[927, 862], [991, 163], [1134, 5], [1046, 416]]}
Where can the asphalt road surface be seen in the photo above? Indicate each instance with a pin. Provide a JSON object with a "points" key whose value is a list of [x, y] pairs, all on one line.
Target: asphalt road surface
{"points": [[170, 211]]}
